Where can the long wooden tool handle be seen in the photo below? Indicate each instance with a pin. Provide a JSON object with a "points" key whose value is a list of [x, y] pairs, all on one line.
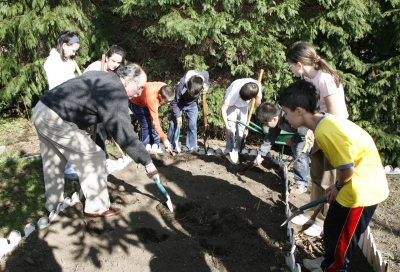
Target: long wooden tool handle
{"points": [[253, 101], [103, 62], [118, 147], [77, 68], [205, 109]]}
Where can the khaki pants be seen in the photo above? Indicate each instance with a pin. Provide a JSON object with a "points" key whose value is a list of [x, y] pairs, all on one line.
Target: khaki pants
{"points": [[62, 141], [322, 176]]}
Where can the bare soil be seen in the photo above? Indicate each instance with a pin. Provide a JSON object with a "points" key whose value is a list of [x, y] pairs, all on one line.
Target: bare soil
{"points": [[225, 219]]}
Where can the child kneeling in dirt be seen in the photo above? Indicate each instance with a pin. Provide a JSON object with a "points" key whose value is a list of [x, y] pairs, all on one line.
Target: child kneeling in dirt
{"points": [[272, 116], [361, 181]]}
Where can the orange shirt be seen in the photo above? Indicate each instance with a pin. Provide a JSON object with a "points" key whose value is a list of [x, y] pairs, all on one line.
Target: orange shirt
{"points": [[150, 99]]}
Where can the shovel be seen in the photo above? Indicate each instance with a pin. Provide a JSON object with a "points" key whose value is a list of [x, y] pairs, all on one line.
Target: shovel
{"points": [[205, 121], [162, 189], [250, 113], [176, 140], [233, 154], [304, 150], [305, 207]]}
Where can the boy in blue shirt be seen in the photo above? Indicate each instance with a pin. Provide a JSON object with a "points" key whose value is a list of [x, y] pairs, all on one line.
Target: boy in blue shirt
{"points": [[186, 100]]}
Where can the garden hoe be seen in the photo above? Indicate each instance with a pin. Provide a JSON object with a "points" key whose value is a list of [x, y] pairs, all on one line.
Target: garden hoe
{"points": [[305, 207], [253, 101], [162, 189]]}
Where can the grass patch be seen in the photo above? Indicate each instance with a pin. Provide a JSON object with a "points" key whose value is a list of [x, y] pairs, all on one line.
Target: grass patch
{"points": [[21, 194], [12, 128]]}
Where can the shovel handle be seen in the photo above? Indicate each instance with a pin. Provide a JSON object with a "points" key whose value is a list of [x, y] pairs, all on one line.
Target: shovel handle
{"points": [[313, 203], [253, 101], [232, 143], [159, 185], [103, 62], [77, 68], [205, 109]]}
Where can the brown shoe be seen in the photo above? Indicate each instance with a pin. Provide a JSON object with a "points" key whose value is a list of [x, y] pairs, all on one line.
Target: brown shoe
{"points": [[108, 213]]}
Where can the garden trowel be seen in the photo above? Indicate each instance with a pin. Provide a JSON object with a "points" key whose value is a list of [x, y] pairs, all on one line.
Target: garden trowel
{"points": [[162, 189]]}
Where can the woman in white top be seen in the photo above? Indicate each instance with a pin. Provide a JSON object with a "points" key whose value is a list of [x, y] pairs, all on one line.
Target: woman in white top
{"points": [[304, 61], [60, 64], [60, 67]]}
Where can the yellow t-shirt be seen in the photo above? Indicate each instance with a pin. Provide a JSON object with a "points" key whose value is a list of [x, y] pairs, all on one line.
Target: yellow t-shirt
{"points": [[347, 145]]}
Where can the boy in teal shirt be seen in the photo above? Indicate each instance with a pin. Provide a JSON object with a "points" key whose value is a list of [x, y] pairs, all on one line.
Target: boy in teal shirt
{"points": [[361, 181]]}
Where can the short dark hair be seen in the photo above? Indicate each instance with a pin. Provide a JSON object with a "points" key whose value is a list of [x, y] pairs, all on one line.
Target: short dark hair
{"points": [[248, 91], [132, 70], [266, 112], [195, 84], [167, 92], [116, 49], [64, 38], [300, 94]]}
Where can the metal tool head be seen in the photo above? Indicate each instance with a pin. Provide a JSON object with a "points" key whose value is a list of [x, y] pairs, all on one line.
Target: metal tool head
{"points": [[305, 207], [293, 215], [156, 179]]}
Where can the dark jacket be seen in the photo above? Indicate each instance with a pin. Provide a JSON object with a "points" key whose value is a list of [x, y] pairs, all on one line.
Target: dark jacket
{"points": [[182, 98], [98, 97], [273, 133]]}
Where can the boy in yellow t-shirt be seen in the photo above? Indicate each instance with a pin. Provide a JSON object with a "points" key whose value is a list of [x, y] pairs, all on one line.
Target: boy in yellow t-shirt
{"points": [[361, 181]]}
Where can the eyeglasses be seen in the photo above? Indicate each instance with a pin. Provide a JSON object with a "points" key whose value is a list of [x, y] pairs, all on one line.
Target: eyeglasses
{"points": [[139, 88]]}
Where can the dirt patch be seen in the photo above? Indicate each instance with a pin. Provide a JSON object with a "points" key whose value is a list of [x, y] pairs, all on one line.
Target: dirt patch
{"points": [[225, 219]]}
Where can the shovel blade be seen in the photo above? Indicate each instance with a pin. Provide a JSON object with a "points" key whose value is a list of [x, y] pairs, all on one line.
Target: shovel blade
{"points": [[234, 156], [169, 204], [293, 215]]}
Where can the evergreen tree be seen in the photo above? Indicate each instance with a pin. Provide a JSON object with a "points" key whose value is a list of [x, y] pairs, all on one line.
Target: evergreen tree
{"points": [[229, 38]]}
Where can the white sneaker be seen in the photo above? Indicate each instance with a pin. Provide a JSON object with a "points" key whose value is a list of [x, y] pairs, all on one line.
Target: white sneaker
{"points": [[148, 147], [300, 220], [154, 147], [314, 230], [313, 264], [298, 189]]}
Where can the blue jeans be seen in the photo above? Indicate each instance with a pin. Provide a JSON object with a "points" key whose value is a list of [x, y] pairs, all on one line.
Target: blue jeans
{"points": [[301, 168], [148, 134], [191, 138]]}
